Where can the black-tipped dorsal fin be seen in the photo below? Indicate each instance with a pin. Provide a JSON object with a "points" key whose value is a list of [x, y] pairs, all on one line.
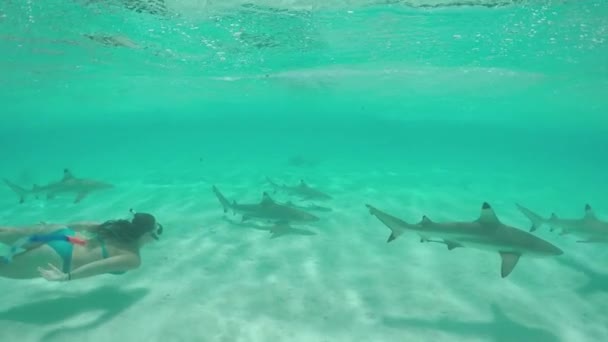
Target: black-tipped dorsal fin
{"points": [[266, 199], [425, 220], [67, 175], [487, 214], [509, 261], [589, 211], [303, 183], [553, 216]]}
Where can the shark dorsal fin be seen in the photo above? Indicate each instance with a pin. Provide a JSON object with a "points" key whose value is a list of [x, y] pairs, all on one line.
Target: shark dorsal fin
{"points": [[303, 183], [589, 214], [425, 220], [553, 216], [487, 216], [67, 175], [266, 199]]}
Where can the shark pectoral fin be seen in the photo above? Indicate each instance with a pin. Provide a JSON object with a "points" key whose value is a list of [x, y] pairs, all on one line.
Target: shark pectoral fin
{"points": [[451, 244], [509, 260], [279, 229], [80, 196], [392, 237]]}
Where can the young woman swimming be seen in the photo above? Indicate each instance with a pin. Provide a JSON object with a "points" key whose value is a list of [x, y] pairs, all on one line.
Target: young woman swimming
{"points": [[77, 250]]}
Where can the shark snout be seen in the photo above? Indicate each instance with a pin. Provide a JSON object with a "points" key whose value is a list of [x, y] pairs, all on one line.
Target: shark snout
{"points": [[106, 186], [307, 217], [311, 218], [550, 249], [556, 251]]}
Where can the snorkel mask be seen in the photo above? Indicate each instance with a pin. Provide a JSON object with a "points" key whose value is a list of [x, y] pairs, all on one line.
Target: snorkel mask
{"points": [[147, 220]]}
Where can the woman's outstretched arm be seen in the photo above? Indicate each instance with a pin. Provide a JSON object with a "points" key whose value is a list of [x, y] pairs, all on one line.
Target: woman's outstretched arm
{"points": [[118, 263]]}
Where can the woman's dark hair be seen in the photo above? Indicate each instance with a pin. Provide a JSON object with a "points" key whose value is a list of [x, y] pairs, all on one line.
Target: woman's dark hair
{"points": [[126, 231]]}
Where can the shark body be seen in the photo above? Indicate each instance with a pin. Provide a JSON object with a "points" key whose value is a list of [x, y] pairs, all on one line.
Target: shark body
{"points": [[266, 209], [485, 233], [81, 187], [308, 207], [589, 226], [301, 190]]}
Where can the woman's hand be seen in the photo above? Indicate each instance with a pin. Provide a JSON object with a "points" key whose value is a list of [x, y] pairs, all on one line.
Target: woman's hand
{"points": [[53, 273]]}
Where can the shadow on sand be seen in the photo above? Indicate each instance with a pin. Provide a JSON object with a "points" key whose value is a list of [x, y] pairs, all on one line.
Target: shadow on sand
{"points": [[596, 282], [275, 230], [110, 301], [500, 329]]}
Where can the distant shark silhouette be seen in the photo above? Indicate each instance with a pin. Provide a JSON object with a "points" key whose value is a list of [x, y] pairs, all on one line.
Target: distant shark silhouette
{"points": [[589, 225], [267, 209], [81, 187], [300, 161], [302, 190], [485, 233]]}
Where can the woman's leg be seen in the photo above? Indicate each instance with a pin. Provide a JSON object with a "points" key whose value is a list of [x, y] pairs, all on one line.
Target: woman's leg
{"points": [[25, 265], [8, 235]]}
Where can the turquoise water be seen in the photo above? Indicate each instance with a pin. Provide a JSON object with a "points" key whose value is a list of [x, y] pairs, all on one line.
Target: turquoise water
{"points": [[418, 108]]}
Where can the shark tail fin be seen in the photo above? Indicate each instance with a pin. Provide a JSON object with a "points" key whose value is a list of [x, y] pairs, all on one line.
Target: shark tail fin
{"points": [[534, 218], [21, 192], [394, 224], [223, 200]]}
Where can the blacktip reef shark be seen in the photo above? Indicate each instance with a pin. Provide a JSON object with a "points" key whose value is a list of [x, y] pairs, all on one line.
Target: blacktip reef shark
{"points": [[81, 187], [588, 226], [267, 209], [485, 233], [301, 190]]}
